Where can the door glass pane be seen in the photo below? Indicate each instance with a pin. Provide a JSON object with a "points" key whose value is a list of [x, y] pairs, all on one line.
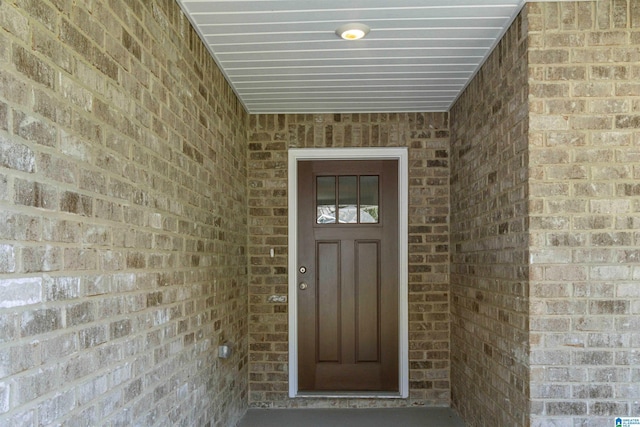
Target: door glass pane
{"points": [[348, 199], [369, 199], [326, 199]]}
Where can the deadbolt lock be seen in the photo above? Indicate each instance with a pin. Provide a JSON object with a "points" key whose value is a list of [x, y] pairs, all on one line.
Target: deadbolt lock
{"points": [[302, 269]]}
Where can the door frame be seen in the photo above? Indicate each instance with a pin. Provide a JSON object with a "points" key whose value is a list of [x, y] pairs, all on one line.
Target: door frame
{"points": [[400, 154]]}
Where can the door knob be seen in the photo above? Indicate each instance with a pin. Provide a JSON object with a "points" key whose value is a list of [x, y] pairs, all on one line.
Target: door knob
{"points": [[303, 286]]}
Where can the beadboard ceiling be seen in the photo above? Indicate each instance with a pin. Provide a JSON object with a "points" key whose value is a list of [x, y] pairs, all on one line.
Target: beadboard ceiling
{"points": [[283, 56]]}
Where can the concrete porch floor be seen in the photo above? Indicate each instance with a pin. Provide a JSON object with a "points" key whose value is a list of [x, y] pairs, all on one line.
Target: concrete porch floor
{"points": [[382, 417]]}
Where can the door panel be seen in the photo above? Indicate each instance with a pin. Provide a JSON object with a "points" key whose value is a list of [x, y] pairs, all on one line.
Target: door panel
{"points": [[367, 302], [348, 294], [328, 302]]}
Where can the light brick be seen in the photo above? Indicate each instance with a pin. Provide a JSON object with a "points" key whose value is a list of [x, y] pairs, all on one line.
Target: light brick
{"points": [[41, 259], [20, 292], [36, 194], [16, 156]]}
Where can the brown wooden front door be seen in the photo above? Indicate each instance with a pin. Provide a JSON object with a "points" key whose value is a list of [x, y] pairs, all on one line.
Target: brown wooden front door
{"points": [[348, 276]]}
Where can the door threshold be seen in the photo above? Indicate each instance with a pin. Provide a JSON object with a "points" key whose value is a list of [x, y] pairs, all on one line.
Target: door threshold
{"points": [[350, 394]]}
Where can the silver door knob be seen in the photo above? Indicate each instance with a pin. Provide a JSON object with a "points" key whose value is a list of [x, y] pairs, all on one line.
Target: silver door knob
{"points": [[303, 286]]}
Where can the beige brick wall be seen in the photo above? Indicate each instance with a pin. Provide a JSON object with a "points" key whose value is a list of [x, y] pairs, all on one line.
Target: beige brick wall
{"points": [[427, 136], [489, 309], [124, 223], [122, 219], [584, 67]]}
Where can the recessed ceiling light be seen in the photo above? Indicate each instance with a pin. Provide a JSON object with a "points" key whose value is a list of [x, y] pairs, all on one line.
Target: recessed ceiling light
{"points": [[353, 31]]}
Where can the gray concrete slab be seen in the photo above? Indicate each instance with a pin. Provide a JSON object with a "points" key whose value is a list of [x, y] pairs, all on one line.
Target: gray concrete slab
{"points": [[379, 417]]}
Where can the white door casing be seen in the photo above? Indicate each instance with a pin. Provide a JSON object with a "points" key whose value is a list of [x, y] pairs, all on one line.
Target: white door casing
{"points": [[396, 153]]}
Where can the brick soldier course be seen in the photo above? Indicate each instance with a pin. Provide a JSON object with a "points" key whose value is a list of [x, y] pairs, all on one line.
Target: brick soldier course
{"points": [[139, 201]]}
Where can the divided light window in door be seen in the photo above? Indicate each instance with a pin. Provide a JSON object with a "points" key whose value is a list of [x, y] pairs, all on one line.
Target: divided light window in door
{"points": [[347, 199]]}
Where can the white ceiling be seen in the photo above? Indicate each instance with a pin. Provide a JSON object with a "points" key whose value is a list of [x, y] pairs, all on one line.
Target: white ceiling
{"points": [[283, 56]]}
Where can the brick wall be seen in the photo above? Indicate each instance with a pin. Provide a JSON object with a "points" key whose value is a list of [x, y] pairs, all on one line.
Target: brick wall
{"points": [[489, 242], [122, 219], [123, 223], [585, 211], [427, 136]]}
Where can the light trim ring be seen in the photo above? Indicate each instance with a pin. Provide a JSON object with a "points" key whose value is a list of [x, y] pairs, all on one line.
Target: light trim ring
{"points": [[353, 31]]}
